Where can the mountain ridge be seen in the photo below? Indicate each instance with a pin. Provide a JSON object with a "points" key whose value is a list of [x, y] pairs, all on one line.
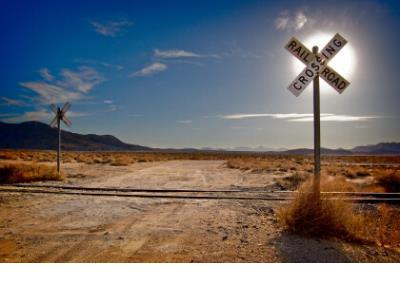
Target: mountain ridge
{"points": [[40, 136], [37, 135]]}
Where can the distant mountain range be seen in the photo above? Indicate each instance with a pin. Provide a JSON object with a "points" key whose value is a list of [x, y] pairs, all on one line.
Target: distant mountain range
{"points": [[36, 135], [244, 148]]}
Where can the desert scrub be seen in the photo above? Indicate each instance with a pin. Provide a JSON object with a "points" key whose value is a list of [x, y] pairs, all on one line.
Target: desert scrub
{"points": [[121, 161], [292, 182], [389, 182], [311, 214], [27, 172]]}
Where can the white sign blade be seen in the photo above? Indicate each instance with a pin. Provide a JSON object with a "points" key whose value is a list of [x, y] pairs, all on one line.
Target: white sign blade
{"points": [[304, 78], [66, 121], [334, 79], [53, 122], [332, 48], [66, 107], [53, 108], [296, 48]]}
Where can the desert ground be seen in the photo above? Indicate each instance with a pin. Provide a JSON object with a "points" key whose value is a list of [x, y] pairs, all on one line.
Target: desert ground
{"points": [[40, 227]]}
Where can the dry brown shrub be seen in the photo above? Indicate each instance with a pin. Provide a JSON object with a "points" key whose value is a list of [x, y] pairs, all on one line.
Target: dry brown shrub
{"points": [[313, 214], [389, 181], [8, 156], [27, 172], [388, 226], [292, 182], [121, 161], [263, 162]]}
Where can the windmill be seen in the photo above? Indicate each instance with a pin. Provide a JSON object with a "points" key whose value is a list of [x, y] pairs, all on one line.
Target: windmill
{"points": [[60, 116]]}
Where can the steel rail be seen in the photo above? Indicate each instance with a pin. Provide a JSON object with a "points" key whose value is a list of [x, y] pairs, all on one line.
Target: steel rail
{"points": [[368, 197], [259, 191], [129, 189]]}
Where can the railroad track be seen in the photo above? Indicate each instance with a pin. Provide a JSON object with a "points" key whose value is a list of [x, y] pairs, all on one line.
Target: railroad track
{"points": [[224, 194]]}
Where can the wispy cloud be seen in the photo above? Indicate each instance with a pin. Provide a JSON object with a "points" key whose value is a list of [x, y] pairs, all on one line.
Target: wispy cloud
{"points": [[185, 121], [174, 53], [52, 94], [151, 69], [40, 114], [82, 80], [291, 21], [337, 118], [5, 115], [305, 117], [276, 116], [108, 101], [179, 53], [14, 102], [98, 63], [46, 74], [111, 28], [71, 87]]}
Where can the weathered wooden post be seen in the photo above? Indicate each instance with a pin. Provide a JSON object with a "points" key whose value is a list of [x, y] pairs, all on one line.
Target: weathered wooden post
{"points": [[60, 116], [317, 129], [59, 139]]}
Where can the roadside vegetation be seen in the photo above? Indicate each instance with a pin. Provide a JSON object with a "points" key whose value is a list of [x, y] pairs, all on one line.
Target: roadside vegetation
{"points": [[27, 172], [311, 214]]}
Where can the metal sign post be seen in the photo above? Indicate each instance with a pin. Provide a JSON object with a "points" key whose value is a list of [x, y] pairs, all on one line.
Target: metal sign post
{"points": [[317, 131], [60, 116], [317, 66]]}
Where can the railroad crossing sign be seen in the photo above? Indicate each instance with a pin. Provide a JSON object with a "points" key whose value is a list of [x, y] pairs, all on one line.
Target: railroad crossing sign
{"points": [[60, 116], [317, 66]]}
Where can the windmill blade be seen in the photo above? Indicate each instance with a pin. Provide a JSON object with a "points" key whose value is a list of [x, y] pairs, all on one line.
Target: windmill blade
{"points": [[53, 108], [53, 122], [66, 121], [65, 108]]}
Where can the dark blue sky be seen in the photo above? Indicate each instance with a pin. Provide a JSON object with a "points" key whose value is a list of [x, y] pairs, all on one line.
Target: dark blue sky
{"points": [[200, 73]]}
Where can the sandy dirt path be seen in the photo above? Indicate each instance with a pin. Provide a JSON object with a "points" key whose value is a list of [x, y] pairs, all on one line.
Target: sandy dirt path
{"points": [[175, 174]]}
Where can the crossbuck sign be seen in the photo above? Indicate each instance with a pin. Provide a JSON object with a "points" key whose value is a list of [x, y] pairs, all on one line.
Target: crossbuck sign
{"points": [[317, 64], [59, 116]]}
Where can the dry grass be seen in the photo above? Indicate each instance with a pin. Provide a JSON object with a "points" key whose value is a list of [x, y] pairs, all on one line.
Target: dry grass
{"points": [[283, 163], [310, 214], [27, 172], [389, 181], [292, 182]]}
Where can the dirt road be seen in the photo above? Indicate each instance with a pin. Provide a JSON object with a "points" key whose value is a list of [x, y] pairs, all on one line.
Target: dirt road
{"points": [[62, 228], [180, 174]]}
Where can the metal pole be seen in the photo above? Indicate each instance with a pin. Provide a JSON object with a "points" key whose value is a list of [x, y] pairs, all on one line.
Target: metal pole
{"points": [[317, 130], [59, 140]]}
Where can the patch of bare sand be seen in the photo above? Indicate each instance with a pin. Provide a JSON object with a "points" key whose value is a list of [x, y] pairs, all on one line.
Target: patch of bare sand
{"points": [[56, 228]]}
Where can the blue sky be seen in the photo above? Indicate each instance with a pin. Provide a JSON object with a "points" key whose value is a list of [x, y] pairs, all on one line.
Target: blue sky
{"points": [[200, 73]]}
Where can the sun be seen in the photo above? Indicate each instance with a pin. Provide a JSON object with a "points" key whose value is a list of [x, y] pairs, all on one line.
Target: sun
{"points": [[344, 62]]}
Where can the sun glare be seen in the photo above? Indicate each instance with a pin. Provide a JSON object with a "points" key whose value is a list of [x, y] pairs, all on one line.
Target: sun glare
{"points": [[343, 62]]}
